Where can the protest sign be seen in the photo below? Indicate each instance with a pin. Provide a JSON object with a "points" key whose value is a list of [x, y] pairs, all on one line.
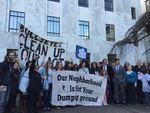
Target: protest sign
{"points": [[32, 44], [73, 88]]}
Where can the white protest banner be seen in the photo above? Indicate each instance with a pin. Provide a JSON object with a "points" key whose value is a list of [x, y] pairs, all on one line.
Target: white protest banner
{"points": [[31, 44], [73, 88]]}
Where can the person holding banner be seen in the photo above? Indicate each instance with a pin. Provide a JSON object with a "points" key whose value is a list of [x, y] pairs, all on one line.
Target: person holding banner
{"points": [[83, 68], [110, 73], [103, 73], [58, 67]]}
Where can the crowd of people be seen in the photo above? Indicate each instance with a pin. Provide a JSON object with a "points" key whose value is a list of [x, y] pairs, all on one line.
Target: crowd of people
{"points": [[126, 84]]}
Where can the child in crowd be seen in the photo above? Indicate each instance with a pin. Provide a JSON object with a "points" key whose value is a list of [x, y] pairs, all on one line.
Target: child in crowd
{"points": [[103, 73]]}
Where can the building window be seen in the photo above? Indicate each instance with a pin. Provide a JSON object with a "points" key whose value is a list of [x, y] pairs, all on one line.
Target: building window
{"points": [[53, 26], [110, 32], [54, 0], [108, 5], [84, 29], [83, 3], [133, 13], [15, 19]]}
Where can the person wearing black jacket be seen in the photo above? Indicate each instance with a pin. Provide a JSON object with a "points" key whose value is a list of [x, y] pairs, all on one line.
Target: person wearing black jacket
{"points": [[138, 69], [110, 73], [14, 90], [6, 68], [33, 88]]}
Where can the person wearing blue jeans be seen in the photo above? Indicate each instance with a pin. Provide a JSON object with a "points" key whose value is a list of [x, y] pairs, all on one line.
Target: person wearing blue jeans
{"points": [[46, 95], [2, 99], [4, 96], [48, 86], [147, 98], [6, 68]]}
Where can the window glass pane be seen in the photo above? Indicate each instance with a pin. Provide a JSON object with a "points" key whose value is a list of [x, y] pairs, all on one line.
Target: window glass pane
{"points": [[19, 14], [57, 27], [11, 24], [111, 33], [82, 31], [23, 21], [51, 27], [86, 31], [14, 13], [48, 27], [19, 21], [14, 22], [56, 19]]}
